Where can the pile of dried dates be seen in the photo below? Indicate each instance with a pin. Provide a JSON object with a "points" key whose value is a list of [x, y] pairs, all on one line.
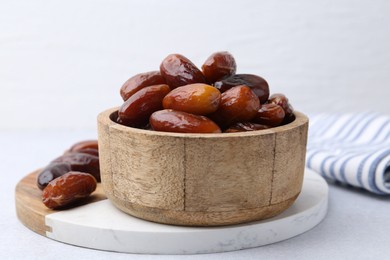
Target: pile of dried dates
{"points": [[177, 98], [71, 177], [182, 98]]}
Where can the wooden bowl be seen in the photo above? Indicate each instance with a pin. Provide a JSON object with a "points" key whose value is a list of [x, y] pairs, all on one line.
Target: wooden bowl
{"points": [[202, 179]]}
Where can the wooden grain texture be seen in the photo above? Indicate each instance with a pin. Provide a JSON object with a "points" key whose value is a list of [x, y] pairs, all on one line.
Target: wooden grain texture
{"points": [[289, 163], [230, 175], [29, 207], [202, 179], [202, 218], [144, 180]]}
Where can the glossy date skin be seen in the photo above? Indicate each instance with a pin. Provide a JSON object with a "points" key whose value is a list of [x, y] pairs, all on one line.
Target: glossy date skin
{"points": [[218, 66], [238, 104], [198, 99], [257, 84], [140, 81], [203, 92], [270, 114], [68, 189], [86, 146], [282, 100], [135, 112], [52, 172], [178, 71], [245, 127], [81, 156], [81, 162], [181, 122]]}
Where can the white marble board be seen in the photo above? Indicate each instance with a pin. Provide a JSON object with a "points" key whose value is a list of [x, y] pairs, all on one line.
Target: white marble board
{"points": [[100, 225]]}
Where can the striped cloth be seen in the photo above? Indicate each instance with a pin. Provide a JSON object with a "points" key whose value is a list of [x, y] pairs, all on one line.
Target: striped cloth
{"points": [[353, 149]]}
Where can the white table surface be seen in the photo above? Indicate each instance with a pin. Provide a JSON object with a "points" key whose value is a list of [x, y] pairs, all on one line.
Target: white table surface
{"points": [[357, 224]]}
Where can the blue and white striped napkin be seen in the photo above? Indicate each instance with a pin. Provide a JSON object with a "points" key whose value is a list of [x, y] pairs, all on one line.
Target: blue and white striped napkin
{"points": [[351, 148]]}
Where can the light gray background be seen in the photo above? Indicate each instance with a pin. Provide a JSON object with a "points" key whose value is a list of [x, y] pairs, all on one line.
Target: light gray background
{"points": [[63, 62]]}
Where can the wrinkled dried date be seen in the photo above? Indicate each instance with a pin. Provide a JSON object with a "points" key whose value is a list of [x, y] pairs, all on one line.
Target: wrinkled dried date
{"points": [[218, 66], [290, 116], [179, 71], [186, 90], [135, 112], [67, 189], [87, 144], [270, 114], [199, 99], [90, 151], [257, 84], [52, 172], [181, 122], [238, 104], [246, 126], [282, 100], [81, 162], [139, 81]]}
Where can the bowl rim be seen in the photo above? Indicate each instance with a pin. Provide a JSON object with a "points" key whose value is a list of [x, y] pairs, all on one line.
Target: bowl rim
{"points": [[105, 118]]}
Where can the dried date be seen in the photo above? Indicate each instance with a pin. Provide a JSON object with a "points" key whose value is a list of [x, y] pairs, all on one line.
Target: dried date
{"points": [[139, 81], [199, 99], [89, 151], [270, 114], [218, 66], [179, 71], [282, 100], [257, 84], [81, 162], [238, 104], [136, 110], [245, 127], [52, 172], [67, 189], [86, 144], [181, 122]]}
